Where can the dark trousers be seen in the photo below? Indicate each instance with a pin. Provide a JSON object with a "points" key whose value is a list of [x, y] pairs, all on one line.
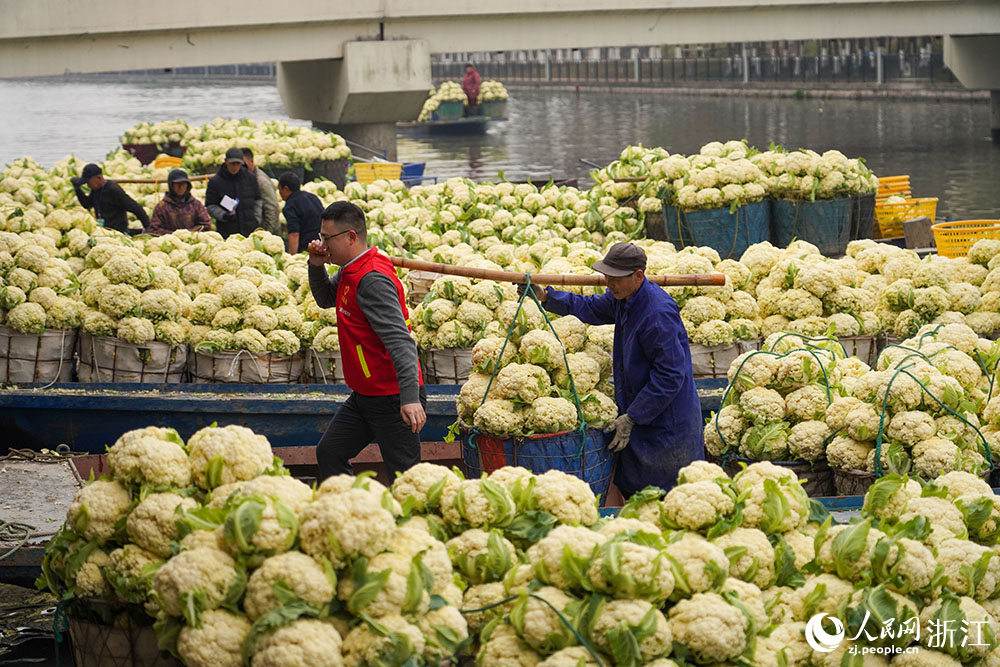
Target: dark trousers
{"points": [[360, 421]]}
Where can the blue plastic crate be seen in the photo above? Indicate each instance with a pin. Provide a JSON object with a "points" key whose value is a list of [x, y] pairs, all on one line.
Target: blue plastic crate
{"points": [[728, 233], [825, 223], [413, 173]]}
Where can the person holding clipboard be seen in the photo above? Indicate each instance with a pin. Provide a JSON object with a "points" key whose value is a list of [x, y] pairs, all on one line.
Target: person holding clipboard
{"points": [[233, 197]]}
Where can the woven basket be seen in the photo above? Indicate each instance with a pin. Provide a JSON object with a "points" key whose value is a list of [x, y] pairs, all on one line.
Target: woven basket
{"points": [[45, 357], [728, 233], [107, 359], [246, 368], [826, 224], [852, 482], [97, 645], [818, 475]]}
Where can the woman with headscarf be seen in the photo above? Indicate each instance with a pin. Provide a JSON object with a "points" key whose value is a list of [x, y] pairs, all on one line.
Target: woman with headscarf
{"points": [[179, 210]]}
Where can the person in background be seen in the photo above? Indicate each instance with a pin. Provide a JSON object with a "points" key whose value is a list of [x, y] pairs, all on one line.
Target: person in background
{"points": [[269, 198], [378, 354], [470, 84], [302, 213], [107, 199], [235, 182], [178, 209], [659, 430]]}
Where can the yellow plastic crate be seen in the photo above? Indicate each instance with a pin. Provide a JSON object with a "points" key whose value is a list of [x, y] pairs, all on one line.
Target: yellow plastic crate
{"points": [[891, 216], [953, 239], [366, 172], [166, 161], [889, 186]]}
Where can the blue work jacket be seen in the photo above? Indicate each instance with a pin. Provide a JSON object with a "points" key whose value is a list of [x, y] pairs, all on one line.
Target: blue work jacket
{"points": [[654, 383]]}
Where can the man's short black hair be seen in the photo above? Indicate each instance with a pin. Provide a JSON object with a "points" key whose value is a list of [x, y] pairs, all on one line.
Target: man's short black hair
{"points": [[248, 153], [347, 214], [289, 180]]}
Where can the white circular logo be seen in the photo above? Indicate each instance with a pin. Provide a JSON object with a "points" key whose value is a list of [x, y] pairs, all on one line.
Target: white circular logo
{"points": [[819, 639]]}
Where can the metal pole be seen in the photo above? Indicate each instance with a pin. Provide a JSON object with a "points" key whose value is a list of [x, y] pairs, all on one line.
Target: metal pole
{"points": [[746, 65], [879, 72], [548, 65]]}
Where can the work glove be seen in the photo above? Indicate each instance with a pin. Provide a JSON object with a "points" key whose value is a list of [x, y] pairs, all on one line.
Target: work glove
{"points": [[229, 217], [623, 431], [521, 289]]}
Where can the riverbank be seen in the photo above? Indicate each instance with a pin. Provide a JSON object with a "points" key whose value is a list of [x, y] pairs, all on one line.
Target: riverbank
{"points": [[789, 90]]}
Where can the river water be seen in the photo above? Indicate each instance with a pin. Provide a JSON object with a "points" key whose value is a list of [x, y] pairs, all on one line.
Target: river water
{"points": [[944, 147]]}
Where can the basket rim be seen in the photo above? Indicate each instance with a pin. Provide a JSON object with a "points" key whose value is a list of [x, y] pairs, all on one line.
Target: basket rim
{"points": [[964, 226]]}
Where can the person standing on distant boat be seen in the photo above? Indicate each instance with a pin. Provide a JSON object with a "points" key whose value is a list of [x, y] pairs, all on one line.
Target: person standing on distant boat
{"points": [[470, 84]]}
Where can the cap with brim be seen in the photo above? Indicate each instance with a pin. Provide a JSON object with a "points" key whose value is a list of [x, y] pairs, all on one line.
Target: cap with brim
{"points": [[234, 155], [89, 171], [623, 259]]}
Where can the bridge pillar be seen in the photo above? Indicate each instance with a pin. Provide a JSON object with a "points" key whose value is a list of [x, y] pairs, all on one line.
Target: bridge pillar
{"points": [[973, 61], [362, 95]]}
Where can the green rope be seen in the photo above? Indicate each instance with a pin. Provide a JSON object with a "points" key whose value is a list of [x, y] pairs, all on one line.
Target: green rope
{"points": [[885, 403], [529, 290]]}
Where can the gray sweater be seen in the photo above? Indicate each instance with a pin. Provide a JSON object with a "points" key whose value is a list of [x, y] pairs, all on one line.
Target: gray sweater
{"points": [[379, 302]]}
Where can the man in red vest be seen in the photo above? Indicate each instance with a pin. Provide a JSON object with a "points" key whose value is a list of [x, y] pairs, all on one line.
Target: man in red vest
{"points": [[378, 355]]}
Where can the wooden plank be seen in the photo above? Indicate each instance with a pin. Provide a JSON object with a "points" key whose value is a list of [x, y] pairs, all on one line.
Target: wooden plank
{"points": [[917, 232]]}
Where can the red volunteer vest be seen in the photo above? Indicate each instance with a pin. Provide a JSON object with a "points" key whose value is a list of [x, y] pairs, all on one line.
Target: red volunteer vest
{"points": [[368, 367]]}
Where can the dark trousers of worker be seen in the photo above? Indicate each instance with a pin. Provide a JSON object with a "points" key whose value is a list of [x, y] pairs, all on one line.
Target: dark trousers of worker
{"points": [[360, 421]]}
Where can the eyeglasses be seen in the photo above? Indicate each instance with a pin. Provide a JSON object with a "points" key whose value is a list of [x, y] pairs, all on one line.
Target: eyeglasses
{"points": [[327, 237]]}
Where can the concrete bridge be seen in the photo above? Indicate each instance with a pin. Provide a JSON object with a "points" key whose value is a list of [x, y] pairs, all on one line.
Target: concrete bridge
{"points": [[360, 66]]}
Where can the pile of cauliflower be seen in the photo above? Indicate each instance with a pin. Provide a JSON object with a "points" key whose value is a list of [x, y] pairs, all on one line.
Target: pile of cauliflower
{"points": [[161, 134], [928, 403], [525, 385], [448, 91], [275, 143], [492, 91], [779, 399]]}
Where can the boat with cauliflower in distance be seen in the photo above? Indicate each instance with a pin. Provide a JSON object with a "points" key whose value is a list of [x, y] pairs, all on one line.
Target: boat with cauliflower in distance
{"points": [[469, 125]]}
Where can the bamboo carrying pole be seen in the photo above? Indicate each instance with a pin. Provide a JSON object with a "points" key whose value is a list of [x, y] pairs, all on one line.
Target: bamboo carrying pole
{"points": [[203, 177], [704, 279]]}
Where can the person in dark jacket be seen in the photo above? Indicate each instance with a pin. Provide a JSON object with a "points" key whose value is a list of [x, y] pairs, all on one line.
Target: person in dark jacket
{"points": [[239, 185], [179, 210], [470, 84], [302, 212], [107, 199], [660, 427], [268, 197]]}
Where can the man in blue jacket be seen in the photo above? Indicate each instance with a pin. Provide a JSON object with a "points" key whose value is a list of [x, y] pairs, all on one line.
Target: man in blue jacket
{"points": [[660, 427]]}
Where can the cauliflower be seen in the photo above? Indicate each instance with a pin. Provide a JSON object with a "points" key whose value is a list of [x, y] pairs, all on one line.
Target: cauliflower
{"points": [[700, 471], [970, 569], [130, 571], [822, 593], [480, 556], [847, 453], [751, 556], [762, 405], [206, 575], [550, 415], [976, 632], [486, 353], [806, 403], [504, 647], [150, 456], [724, 430], [445, 630], [547, 554], [218, 642], [393, 595], [776, 505], [306, 642], [477, 503], [807, 440], [599, 409], [710, 628], [537, 623], [541, 347], [626, 570], [697, 505], [153, 523], [571, 332], [424, 483], [944, 517], [340, 526], [481, 596], [584, 371], [498, 417], [639, 621], [89, 580], [96, 509], [697, 565], [522, 382], [27, 318], [934, 456], [221, 455], [567, 497]]}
